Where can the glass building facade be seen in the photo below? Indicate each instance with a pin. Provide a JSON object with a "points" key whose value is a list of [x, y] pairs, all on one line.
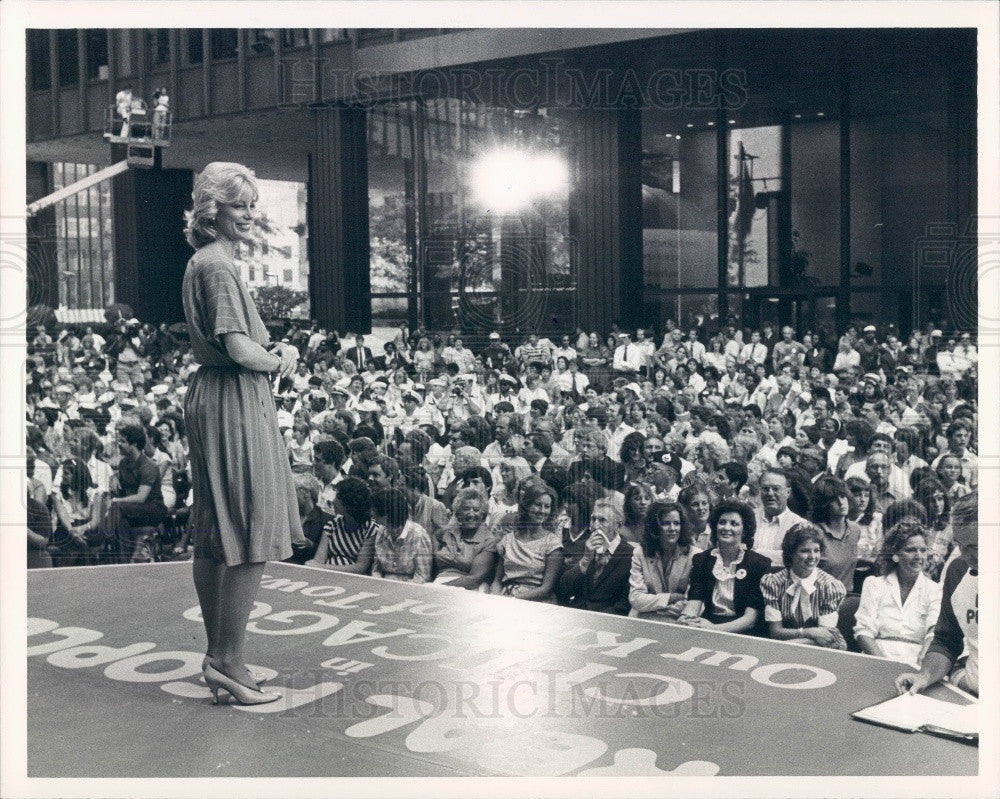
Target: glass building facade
{"points": [[468, 216], [797, 190], [552, 179]]}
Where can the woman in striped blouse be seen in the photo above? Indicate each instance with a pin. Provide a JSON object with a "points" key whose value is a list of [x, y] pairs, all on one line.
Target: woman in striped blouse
{"points": [[802, 600], [348, 541]]}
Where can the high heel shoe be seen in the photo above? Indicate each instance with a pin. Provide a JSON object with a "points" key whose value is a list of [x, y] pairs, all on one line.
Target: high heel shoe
{"points": [[217, 681], [257, 676]]}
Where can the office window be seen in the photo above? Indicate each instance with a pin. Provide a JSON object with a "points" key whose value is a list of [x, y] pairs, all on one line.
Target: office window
{"points": [[294, 37], [158, 46], [372, 36], [224, 43], [39, 66], [679, 196], [262, 40], [97, 54], [68, 51], [333, 34], [84, 243], [484, 258], [195, 47]]}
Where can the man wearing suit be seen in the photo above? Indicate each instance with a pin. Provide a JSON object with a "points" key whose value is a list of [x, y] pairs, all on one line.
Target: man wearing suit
{"points": [[359, 354], [599, 581], [538, 452]]}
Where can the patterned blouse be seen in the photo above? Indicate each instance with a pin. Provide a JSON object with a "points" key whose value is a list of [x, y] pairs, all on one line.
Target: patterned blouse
{"points": [[337, 546], [812, 601], [408, 559]]}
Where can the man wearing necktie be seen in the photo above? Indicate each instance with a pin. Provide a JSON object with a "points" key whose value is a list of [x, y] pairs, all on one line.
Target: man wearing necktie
{"points": [[600, 580], [754, 351], [359, 354], [629, 358]]}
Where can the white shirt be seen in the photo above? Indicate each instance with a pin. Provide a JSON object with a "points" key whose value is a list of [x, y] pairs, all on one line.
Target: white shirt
{"points": [[837, 449], [100, 472], [733, 347], [899, 482], [846, 360], [770, 533], [564, 352], [717, 360], [881, 615], [615, 440], [567, 380], [629, 358], [695, 350], [952, 364], [527, 395], [755, 352]]}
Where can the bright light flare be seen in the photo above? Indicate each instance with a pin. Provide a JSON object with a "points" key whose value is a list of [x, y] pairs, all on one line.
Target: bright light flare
{"points": [[507, 180]]}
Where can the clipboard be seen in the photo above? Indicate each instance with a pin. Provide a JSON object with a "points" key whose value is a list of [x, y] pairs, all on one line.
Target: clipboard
{"points": [[922, 713]]}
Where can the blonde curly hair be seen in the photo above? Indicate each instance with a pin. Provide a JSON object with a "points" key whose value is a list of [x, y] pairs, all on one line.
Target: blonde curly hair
{"points": [[219, 182]]}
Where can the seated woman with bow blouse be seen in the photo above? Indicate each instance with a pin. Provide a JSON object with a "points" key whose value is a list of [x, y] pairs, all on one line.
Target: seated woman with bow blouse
{"points": [[802, 600]]}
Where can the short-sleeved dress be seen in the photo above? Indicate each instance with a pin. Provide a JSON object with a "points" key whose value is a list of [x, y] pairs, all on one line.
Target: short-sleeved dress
{"points": [[524, 559], [245, 508]]}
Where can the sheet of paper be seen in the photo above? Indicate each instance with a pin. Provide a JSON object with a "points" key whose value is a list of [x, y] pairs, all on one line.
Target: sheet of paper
{"points": [[911, 712]]}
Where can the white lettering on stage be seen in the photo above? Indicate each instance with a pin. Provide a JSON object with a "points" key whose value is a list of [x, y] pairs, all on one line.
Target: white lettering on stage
{"points": [[72, 650]]}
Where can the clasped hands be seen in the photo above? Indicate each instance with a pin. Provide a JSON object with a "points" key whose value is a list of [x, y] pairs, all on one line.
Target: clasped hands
{"points": [[289, 355]]}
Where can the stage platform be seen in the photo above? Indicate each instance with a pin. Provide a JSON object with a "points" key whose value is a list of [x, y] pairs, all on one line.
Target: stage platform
{"points": [[387, 679]]}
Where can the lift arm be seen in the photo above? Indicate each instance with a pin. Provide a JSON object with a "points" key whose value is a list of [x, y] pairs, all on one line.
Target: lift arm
{"points": [[78, 186]]}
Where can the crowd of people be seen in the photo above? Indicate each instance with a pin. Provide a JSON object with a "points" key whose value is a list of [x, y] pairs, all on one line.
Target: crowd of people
{"points": [[752, 481]]}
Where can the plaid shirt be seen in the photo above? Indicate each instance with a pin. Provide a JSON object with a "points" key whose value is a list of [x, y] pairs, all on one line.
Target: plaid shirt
{"points": [[408, 559]]}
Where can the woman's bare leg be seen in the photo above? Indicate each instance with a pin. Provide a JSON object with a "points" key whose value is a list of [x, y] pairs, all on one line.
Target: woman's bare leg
{"points": [[208, 584], [237, 593]]}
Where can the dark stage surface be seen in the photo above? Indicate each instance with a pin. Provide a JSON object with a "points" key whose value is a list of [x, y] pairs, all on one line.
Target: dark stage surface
{"points": [[386, 679]]}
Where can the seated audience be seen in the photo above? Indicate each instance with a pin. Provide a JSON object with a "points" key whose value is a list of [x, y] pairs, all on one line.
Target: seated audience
{"points": [[661, 564], [599, 581], [465, 555], [403, 549], [802, 600], [724, 593], [529, 550], [900, 605]]}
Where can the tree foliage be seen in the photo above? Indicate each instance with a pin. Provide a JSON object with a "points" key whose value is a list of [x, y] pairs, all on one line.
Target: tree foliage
{"points": [[277, 302]]}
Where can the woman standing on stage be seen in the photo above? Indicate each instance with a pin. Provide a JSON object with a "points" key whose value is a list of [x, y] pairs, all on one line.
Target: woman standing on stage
{"points": [[245, 510]]}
